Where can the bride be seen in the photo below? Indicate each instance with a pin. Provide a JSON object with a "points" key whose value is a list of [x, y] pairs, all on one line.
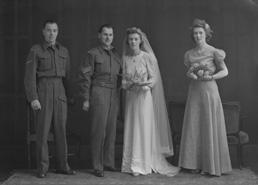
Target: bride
{"points": [[147, 137]]}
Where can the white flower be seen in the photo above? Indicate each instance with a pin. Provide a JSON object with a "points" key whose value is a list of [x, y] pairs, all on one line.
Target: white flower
{"points": [[198, 70]]}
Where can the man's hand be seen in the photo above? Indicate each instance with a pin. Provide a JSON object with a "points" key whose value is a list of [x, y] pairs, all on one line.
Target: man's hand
{"points": [[35, 105], [86, 105]]}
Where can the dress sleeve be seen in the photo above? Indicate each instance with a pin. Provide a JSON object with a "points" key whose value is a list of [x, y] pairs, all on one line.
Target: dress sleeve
{"points": [[186, 59], [125, 83], [152, 67], [219, 55]]}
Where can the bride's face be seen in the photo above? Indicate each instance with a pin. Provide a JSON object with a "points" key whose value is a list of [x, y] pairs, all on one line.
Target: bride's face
{"points": [[134, 41]]}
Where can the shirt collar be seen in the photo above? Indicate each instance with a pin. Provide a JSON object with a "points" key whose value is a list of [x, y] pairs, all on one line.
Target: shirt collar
{"points": [[102, 49], [45, 45]]}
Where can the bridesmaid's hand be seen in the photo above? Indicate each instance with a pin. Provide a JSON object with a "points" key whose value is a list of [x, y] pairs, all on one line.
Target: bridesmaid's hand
{"points": [[191, 75], [206, 78]]}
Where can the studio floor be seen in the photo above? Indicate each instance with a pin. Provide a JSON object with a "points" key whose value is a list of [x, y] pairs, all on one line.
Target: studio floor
{"points": [[12, 160]]}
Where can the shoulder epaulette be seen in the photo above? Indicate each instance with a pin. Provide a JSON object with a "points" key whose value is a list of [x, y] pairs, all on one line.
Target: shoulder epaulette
{"points": [[61, 46], [93, 50], [36, 46]]}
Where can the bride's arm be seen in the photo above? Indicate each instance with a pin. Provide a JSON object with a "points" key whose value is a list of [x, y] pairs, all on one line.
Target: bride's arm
{"points": [[126, 84], [152, 69]]}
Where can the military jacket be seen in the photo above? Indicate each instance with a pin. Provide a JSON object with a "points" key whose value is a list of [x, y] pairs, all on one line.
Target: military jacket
{"points": [[100, 67], [45, 61]]}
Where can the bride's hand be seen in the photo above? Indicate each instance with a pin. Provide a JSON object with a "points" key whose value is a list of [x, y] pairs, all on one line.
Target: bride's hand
{"points": [[133, 87], [146, 88]]}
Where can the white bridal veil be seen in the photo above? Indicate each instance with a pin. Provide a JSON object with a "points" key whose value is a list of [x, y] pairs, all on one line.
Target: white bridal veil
{"points": [[163, 133]]}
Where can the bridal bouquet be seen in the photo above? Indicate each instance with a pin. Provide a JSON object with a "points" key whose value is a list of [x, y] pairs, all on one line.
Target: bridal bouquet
{"points": [[136, 81], [198, 70]]}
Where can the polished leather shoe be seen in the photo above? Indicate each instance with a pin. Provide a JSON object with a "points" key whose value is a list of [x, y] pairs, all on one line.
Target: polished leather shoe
{"points": [[42, 175], [112, 169], [98, 173], [68, 172]]}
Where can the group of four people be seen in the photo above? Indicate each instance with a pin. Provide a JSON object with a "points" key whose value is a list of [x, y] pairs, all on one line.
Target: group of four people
{"points": [[147, 135]]}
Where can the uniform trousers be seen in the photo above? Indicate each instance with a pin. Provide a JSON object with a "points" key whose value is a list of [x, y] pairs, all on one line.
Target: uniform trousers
{"points": [[53, 112], [104, 110]]}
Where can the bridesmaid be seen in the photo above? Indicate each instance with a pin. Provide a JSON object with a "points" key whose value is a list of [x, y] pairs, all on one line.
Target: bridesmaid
{"points": [[204, 147]]}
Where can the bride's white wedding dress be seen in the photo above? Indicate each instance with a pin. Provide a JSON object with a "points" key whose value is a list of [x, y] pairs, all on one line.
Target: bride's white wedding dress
{"points": [[141, 151]]}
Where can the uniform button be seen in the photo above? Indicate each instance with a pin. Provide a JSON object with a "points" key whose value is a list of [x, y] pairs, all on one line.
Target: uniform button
{"points": [[102, 83]]}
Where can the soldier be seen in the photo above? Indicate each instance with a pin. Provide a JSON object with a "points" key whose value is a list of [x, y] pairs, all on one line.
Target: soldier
{"points": [[48, 90], [98, 82]]}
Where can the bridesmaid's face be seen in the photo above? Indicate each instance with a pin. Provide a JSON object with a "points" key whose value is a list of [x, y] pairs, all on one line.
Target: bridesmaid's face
{"points": [[199, 35], [134, 41]]}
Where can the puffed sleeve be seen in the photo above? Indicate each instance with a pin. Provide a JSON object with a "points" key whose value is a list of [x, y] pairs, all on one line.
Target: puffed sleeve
{"points": [[152, 68], [219, 55], [186, 59]]}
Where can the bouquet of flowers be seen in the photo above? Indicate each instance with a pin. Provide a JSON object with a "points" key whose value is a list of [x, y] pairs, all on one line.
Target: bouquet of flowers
{"points": [[198, 70], [136, 81]]}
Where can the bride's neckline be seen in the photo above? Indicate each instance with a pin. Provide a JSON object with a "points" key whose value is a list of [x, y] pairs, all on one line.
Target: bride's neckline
{"points": [[135, 57], [135, 54]]}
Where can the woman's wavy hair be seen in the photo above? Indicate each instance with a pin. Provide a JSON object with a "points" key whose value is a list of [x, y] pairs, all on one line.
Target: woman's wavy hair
{"points": [[198, 23], [134, 30]]}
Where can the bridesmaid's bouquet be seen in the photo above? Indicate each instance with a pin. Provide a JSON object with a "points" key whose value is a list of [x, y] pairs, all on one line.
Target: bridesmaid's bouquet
{"points": [[198, 70]]}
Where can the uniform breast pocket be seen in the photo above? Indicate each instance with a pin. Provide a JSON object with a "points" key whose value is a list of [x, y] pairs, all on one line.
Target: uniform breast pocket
{"points": [[62, 60], [101, 65], [45, 62]]}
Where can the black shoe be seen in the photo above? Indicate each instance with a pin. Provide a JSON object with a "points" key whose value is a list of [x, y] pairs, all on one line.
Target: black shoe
{"points": [[99, 173], [112, 169], [41, 175], [68, 172]]}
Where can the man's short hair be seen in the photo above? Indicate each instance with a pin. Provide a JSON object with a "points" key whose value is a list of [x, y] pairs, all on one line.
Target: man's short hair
{"points": [[49, 21], [104, 26]]}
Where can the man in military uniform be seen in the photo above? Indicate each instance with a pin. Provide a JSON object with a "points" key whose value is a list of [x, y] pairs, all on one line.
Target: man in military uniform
{"points": [[98, 82], [47, 88]]}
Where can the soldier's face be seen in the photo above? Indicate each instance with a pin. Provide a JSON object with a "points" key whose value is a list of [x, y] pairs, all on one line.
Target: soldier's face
{"points": [[50, 33], [106, 36]]}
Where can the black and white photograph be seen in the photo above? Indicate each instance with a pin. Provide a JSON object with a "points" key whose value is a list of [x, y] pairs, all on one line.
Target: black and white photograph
{"points": [[129, 92]]}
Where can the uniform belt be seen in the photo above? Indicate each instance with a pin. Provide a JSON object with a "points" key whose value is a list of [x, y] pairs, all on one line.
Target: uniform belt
{"points": [[108, 84], [49, 79]]}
